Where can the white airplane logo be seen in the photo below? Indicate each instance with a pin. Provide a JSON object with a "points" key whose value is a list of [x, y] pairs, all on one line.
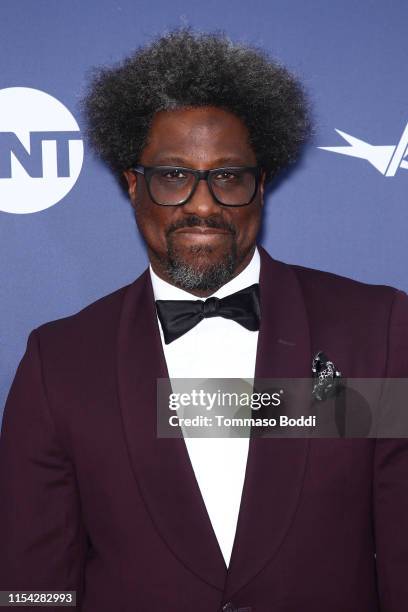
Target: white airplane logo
{"points": [[386, 159]]}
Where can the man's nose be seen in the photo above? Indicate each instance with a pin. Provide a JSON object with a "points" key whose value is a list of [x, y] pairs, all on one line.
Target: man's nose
{"points": [[202, 202]]}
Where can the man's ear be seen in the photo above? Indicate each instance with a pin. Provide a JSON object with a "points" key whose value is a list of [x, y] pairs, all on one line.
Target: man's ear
{"points": [[131, 180]]}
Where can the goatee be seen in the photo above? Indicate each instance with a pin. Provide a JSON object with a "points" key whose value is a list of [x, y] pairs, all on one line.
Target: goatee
{"points": [[197, 274]]}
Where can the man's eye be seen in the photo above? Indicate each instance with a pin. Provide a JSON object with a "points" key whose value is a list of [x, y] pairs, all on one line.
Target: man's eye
{"points": [[226, 175], [173, 174]]}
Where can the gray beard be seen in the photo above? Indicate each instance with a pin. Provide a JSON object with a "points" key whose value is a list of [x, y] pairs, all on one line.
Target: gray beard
{"points": [[205, 278]]}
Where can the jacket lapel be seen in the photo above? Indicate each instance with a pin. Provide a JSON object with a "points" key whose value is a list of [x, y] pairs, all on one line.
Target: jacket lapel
{"points": [[276, 466], [161, 466]]}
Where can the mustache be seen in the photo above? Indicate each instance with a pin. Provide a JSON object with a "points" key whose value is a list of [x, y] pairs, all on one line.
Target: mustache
{"points": [[195, 221]]}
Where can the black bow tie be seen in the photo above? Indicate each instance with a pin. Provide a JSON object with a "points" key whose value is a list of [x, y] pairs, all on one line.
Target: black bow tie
{"points": [[179, 316]]}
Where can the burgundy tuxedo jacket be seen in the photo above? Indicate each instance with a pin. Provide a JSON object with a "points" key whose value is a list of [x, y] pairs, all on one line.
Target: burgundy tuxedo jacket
{"points": [[91, 500]]}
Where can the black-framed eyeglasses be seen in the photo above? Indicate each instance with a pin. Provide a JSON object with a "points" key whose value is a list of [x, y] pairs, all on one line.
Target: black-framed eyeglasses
{"points": [[175, 185]]}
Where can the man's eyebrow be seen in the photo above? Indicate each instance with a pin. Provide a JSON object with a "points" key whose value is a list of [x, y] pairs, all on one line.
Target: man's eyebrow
{"points": [[171, 160]]}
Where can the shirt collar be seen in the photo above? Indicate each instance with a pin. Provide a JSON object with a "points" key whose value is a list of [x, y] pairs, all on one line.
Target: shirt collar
{"points": [[163, 290]]}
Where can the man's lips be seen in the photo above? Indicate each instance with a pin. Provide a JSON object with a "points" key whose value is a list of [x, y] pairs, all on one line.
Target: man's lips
{"points": [[202, 231]]}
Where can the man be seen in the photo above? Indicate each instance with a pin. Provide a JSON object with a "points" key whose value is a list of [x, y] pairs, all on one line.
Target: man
{"points": [[92, 499]]}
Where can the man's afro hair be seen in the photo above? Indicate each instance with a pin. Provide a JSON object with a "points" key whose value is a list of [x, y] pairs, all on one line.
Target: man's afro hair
{"points": [[188, 69]]}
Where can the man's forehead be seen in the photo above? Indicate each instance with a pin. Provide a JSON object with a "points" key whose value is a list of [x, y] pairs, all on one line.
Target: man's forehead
{"points": [[202, 132]]}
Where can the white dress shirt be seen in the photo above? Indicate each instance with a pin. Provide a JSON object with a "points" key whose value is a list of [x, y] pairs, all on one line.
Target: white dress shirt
{"points": [[215, 348]]}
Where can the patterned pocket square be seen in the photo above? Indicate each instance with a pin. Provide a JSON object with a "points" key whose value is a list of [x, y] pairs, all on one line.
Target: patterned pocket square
{"points": [[326, 377]]}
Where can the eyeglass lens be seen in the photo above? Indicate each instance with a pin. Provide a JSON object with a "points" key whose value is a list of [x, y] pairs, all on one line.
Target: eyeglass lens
{"points": [[230, 186]]}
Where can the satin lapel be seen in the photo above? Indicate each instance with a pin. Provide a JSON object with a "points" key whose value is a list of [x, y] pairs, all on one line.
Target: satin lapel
{"points": [[275, 467], [161, 466]]}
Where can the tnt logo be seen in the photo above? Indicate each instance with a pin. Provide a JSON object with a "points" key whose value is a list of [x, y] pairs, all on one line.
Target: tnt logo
{"points": [[41, 150]]}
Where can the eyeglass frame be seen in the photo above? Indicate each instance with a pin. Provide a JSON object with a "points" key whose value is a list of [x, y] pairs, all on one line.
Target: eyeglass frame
{"points": [[199, 175]]}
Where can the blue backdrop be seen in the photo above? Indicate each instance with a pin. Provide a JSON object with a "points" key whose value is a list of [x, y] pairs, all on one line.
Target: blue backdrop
{"points": [[346, 213]]}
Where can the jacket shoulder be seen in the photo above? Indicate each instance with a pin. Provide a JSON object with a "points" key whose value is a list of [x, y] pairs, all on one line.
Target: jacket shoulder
{"points": [[328, 286], [348, 303], [97, 315], [362, 317], [87, 334]]}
